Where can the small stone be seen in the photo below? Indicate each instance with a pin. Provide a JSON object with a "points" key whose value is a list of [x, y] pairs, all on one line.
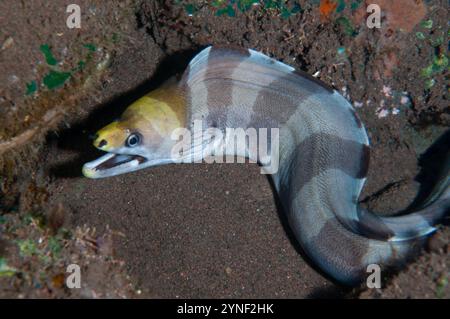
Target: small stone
{"points": [[58, 281], [8, 42], [387, 91], [382, 113], [404, 100]]}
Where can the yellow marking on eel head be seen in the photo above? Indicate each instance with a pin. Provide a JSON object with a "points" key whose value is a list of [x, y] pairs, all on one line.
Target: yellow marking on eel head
{"points": [[157, 113], [111, 136], [154, 116]]}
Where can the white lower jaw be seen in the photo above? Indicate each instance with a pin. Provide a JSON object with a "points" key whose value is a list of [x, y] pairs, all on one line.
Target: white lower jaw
{"points": [[91, 170]]}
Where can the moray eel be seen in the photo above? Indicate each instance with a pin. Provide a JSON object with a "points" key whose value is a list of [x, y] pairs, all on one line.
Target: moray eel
{"points": [[323, 154]]}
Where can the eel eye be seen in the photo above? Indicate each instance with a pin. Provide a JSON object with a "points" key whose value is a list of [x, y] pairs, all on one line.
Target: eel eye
{"points": [[133, 140]]}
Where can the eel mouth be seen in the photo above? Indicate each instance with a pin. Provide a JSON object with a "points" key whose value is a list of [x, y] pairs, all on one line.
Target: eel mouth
{"points": [[113, 164]]}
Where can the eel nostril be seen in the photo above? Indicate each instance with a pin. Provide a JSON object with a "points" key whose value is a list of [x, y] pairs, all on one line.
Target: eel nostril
{"points": [[102, 143], [93, 136]]}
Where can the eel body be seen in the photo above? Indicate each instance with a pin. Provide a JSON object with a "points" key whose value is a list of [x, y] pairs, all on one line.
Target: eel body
{"points": [[323, 154]]}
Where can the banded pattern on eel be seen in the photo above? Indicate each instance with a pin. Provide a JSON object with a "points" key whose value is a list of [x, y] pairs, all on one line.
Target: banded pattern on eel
{"points": [[323, 154]]}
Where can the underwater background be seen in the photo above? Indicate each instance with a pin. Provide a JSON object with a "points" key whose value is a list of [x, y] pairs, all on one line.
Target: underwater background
{"points": [[200, 231]]}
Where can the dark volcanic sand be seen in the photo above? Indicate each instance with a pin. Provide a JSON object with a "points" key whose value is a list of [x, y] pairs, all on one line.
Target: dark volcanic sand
{"points": [[197, 231], [214, 230]]}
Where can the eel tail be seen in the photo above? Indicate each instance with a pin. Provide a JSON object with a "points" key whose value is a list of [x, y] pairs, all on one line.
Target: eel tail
{"points": [[344, 239]]}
